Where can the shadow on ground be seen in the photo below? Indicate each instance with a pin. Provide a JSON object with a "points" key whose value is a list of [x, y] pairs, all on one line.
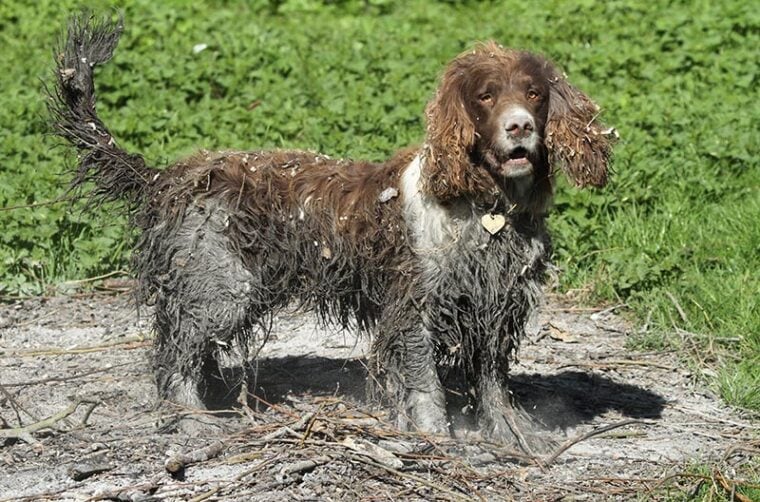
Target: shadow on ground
{"points": [[559, 401]]}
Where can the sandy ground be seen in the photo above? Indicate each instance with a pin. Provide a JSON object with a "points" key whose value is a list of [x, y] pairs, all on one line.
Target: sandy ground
{"points": [[311, 436]]}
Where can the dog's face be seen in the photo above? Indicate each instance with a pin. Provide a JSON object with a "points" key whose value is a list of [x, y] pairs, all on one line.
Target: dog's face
{"points": [[508, 105], [504, 115]]}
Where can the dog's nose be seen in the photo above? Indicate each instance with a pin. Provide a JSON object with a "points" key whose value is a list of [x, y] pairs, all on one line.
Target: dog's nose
{"points": [[519, 124]]}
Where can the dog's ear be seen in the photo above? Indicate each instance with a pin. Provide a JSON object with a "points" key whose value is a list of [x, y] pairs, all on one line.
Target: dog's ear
{"points": [[448, 172], [577, 142]]}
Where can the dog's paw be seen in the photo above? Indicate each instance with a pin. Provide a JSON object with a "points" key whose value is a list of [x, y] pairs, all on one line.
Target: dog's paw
{"points": [[511, 426], [425, 412]]}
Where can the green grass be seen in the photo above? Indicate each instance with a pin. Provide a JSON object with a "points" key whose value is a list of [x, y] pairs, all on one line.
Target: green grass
{"points": [[676, 235]]}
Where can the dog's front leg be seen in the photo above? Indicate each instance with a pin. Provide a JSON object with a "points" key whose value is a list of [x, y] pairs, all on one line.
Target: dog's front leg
{"points": [[505, 421], [424, 406]]}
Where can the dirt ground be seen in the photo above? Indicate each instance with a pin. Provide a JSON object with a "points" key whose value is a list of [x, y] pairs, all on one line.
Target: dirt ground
{"points": [[310, 435]]}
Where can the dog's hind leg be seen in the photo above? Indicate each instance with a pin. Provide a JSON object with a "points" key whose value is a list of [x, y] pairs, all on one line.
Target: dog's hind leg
{"points": [[202, 305]]}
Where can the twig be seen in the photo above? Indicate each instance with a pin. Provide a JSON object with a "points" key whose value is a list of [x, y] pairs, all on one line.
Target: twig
{"points": [[40, 204], [96, 278], [90, 408], [304, 465], [714, 418], [273, 406], [25, 432], [747, 448], [730, 488], [16, 405], [678, 307], [601, 430], [291, 429], [599, 314], [216, 489], [617, 362], [178, 461], [660, 482], [128, 343], [80, 472], [434, 486], [66, 378], [311, 421], [373, 451], [140, 491]]}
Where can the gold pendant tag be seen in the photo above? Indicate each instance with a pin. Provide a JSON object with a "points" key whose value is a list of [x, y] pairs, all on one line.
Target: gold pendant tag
{"points": [[493, 222]]}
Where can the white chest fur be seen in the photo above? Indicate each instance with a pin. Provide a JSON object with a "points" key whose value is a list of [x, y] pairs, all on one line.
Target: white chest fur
{"points": [[437, 230]]}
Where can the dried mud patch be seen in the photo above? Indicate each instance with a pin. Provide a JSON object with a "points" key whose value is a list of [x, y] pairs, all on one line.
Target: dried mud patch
{"points": [[309, 435]]}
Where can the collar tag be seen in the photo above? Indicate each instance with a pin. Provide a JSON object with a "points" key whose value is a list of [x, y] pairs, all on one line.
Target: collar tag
{"points": [[493, 223]]}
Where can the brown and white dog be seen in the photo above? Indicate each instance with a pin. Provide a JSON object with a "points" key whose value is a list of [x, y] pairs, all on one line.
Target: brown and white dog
{"points": [[438, 253]]}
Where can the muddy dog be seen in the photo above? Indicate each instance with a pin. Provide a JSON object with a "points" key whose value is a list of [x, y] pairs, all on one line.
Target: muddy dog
{"points": [[438, 254]]}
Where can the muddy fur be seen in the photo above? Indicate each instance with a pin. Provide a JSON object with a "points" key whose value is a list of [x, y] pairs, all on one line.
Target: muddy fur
{"points": [[395, 249]]}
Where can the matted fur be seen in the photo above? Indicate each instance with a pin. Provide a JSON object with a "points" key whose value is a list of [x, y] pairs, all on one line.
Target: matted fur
{"points": [[395, 249]]}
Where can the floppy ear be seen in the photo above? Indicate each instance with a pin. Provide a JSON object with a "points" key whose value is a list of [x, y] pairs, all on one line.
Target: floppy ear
{"points": [[577, 143], [448, 172]]}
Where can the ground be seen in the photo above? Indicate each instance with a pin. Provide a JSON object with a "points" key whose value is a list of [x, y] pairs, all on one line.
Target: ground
{"points": [[310, 435]]}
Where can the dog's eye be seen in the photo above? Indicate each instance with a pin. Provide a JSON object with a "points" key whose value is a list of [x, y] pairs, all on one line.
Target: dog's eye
{"points": [[485, 98], [533, 95]]}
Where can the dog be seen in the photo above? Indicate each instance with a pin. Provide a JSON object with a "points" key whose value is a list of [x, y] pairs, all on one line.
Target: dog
{"points": [[439, 254]]}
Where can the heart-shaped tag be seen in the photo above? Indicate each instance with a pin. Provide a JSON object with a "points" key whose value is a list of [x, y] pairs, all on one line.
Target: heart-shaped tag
{"points": [[493, 222]]}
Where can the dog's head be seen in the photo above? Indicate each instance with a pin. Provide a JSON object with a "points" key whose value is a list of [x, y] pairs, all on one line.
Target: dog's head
{"points": [[500, 116]]}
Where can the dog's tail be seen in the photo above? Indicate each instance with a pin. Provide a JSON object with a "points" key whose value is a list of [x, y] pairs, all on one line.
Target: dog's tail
{"points": [[115, 173]]}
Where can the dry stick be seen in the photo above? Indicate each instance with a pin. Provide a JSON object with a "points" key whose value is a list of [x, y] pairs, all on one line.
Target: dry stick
{"points": [[49, 495], [139, 491], [617, 362], [450, 472], [36, 320], [96, 278], [84, 294], [304, 465], [66, 378], [677, 305], [39, 204], [16, 405], [311, 421], [602, 312], [701, 477], [242, 400], [730, 488], [178, 461], [583, 437], [435, 486], [129, 343], [25, 433], [273, 406], [215, 490], [291, 429], [747, 448], [714, 418]]}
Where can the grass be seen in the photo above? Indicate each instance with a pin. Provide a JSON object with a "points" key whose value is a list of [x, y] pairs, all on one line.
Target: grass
{"points": [[676, 235]]}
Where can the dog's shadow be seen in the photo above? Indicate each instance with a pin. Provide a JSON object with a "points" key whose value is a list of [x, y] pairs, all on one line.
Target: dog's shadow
{"points": [[561, 400]]}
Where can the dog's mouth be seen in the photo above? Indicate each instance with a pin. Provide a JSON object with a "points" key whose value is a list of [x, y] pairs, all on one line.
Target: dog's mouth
{"points": [[516, 163]]}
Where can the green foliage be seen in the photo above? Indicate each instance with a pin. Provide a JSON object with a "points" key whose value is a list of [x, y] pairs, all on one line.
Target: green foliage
{"points": [[676, 235]]}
